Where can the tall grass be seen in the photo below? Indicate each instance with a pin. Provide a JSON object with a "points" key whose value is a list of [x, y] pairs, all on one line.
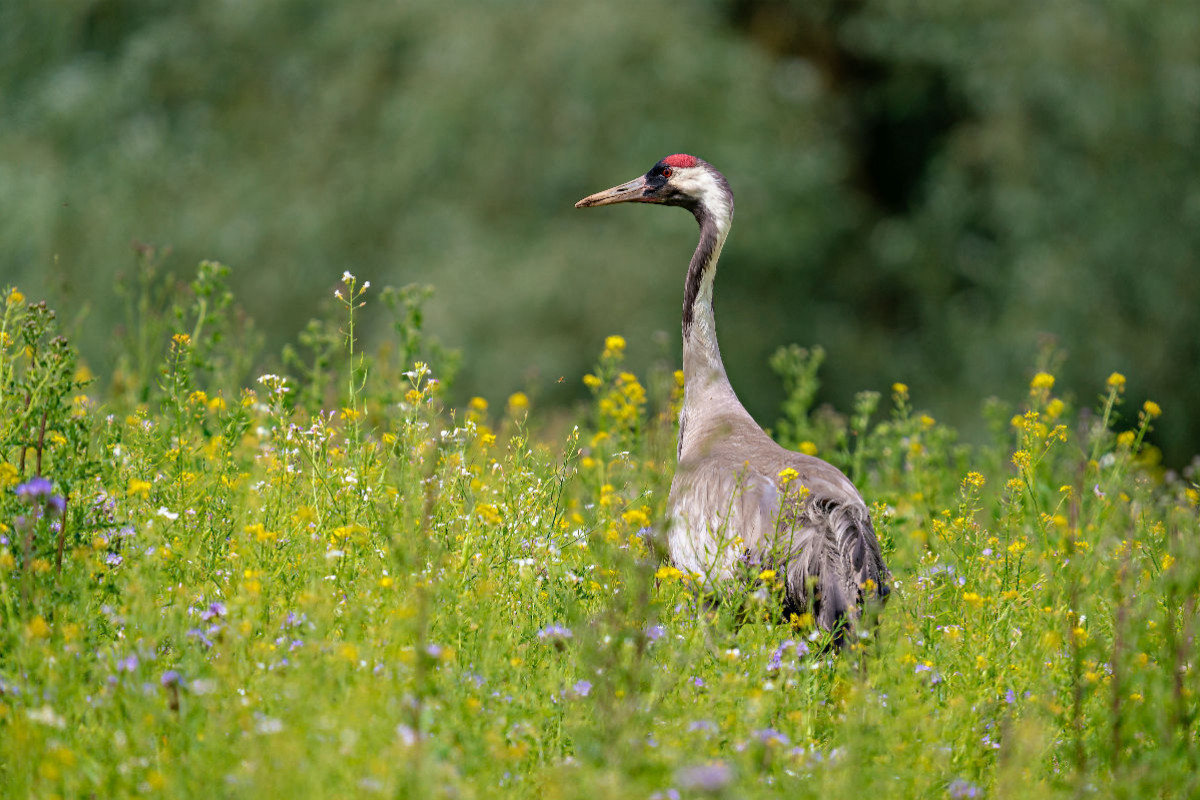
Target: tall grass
{"points": [[334, 582]]}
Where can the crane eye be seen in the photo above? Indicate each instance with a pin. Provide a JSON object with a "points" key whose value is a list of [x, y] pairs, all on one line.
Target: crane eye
{"points": [[666, 172]]}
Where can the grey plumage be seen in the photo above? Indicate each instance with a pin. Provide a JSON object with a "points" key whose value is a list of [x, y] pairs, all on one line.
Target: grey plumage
{"points": [[733, 503]]}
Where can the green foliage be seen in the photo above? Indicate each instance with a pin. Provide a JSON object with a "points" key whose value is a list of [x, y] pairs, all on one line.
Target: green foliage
{"points": [[914, 182], [402, 597]]}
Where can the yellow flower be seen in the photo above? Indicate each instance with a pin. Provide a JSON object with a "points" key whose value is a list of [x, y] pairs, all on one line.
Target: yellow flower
{"points": [[1168, 560], [614, 344], [900, 389], [181, 339], [1021, 459], [260, 533], [926, 421], [478, 405], [216, 404], [37, 628], [973, 599], [138, 486], [974, 479], [591, 381], [488, 513], [787, 475], [15, 297], [1055, 408], [767, 575], [1125, 439], [517, 402], [1043, 380], [1116, 381], [808, 448], [636, 518], [8, 475], [1151, 408], [667, 573]]}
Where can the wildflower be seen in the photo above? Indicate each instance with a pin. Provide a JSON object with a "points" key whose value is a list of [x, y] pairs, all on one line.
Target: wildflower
{"points": [[1151, 408], [14, 297], [667, 573], [974, 479], [636, 518], [38, 628], [171, 678], [1125, 438], [960, 788], [770, 736], [128, 664], [787, 475], [8, 475], [35, 490], [556, 635], [808, 448], [582, 688], [707, 778], [138, 486], [900, 389], [592, 382], [1021, 459], [181, 340], [488, 513], [656, 632], [167, 513], [1042, 381], [214, 611], [1116, 381], [517, 402], [40, 492], [614, 344]]}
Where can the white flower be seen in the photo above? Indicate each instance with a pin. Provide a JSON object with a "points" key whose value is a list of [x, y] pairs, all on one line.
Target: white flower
{"points": [[166, 513], [47, 716], [347, 277]]}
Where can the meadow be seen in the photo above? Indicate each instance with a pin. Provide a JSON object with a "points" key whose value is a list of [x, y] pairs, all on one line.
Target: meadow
{"points": [[335, 582]]}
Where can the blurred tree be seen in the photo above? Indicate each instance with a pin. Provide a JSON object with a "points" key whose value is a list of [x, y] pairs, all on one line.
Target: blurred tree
{"points": [[922, 189]]}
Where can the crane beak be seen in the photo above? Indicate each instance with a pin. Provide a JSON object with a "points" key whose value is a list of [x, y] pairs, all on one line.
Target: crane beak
{"points": [[636, 191]]}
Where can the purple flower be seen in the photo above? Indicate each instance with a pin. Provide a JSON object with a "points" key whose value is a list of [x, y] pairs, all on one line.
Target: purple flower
{"points": [[582, 688], [1010, 697], [709, 778], [128, 664], [960, 788], [702, 725], [113, 559], [698, 682], [171, 678], [769, 736], [655, 632], [216, 609], [196, 633], [555, 633], [35, 490]]}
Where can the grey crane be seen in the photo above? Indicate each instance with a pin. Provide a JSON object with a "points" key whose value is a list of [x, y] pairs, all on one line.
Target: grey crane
{"points": [[739, 502]]}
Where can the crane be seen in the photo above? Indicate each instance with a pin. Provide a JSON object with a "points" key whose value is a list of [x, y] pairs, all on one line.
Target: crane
{"points": [[740, 503]]}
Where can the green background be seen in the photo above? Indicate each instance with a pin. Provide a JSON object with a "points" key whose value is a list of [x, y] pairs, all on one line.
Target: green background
{"points": [[936, 192]]}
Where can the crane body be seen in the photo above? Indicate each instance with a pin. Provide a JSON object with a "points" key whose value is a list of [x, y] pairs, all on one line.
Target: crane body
{"points": [[739, 502]]}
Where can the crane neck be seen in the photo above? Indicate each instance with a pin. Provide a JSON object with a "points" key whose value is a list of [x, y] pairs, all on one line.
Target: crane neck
{"points": [[703, 369]]}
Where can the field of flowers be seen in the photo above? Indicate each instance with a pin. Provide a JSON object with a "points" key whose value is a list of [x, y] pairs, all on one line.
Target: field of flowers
{"points": [[334, 582]]}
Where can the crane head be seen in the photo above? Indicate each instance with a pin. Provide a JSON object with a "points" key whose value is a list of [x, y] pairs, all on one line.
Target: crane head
{"points": [[678, 180]]}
